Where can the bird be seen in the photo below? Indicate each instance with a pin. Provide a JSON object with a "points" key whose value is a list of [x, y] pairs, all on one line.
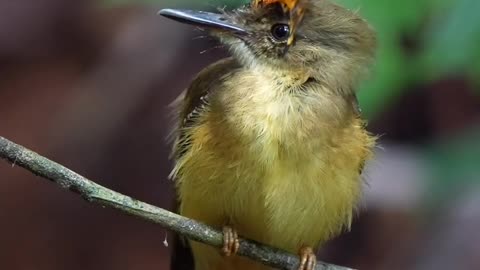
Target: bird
{"points": [[269, 143]]}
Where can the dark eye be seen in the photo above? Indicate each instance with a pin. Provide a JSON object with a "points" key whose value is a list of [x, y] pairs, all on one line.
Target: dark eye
{"points": [[281, 32]]}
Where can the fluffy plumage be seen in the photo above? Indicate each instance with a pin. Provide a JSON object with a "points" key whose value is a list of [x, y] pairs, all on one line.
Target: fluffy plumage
{"points": [[273, 144]]}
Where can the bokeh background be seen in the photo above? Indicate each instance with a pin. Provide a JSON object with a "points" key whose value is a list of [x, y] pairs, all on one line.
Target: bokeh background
{"points": [[87, 83]]}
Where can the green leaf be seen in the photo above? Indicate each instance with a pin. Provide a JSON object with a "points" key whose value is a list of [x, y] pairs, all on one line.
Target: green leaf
{"points": [[453, 41]]}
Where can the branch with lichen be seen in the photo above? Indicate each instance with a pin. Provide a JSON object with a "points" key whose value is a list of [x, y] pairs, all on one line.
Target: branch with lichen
{"points": [[95, 193]]}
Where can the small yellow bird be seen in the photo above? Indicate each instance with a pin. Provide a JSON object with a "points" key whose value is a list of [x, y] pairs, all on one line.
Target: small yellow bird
{"points": [[270, 143]]}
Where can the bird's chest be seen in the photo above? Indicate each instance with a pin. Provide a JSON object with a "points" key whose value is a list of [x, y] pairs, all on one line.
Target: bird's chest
{"points": [[275, 167], [295, 199], [298, 193]]}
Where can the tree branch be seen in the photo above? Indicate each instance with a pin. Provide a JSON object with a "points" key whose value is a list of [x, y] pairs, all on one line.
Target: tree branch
{"points": [[92, 192]]}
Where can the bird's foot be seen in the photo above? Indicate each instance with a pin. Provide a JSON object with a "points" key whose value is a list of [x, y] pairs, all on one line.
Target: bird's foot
{"points": [[231, 242], [308, 259]]}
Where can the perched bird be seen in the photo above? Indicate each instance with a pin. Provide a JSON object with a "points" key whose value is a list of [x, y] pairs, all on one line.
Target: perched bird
{"points": [[270, 144]]}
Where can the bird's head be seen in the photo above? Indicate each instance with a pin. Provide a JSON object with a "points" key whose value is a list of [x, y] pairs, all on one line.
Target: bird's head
{"points": [[314, 36]]}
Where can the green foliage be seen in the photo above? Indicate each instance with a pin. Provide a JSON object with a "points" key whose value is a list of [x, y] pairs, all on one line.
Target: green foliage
{"points": [[446, 34], [392, 70], [454, 165], [455, 37]]}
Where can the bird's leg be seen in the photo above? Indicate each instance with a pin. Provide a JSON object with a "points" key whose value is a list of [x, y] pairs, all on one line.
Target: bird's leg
{"points": [[308, 259], [230, 241]]}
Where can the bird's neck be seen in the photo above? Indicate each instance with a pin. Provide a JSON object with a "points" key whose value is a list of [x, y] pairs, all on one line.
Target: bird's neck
{"points": [[278, 107]]}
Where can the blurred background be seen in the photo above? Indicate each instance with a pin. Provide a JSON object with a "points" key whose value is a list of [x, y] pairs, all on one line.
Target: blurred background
{"points": [[87, 84]]}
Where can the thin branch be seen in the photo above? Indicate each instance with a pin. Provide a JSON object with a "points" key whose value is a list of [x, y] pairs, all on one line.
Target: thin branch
{"points": [[92, 192]]}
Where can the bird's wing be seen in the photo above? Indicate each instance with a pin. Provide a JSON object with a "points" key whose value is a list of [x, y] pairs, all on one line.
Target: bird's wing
{"points": [[193, 101], [188, 106], [182, 257], [356, 105], [357, 110]]}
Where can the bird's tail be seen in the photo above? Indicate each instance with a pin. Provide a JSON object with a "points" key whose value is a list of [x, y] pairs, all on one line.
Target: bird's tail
{"points": [[182, 257]]}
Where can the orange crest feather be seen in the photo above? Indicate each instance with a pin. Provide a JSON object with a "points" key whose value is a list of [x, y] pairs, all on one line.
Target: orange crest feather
{"points": [[290, 4]]}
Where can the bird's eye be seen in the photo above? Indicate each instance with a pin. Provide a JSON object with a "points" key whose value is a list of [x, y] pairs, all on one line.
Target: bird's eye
{"points": [[281, 32]]}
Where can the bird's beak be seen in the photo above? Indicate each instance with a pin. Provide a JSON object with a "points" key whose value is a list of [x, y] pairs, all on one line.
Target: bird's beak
{"points": [[202, 19]]}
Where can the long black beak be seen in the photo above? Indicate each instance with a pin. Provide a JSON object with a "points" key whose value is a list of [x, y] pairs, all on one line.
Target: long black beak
{"points": [[202, 19]]}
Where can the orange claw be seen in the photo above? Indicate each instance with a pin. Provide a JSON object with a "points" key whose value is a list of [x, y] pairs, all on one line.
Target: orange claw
{"points": [[231, 242], [308, 259]]}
